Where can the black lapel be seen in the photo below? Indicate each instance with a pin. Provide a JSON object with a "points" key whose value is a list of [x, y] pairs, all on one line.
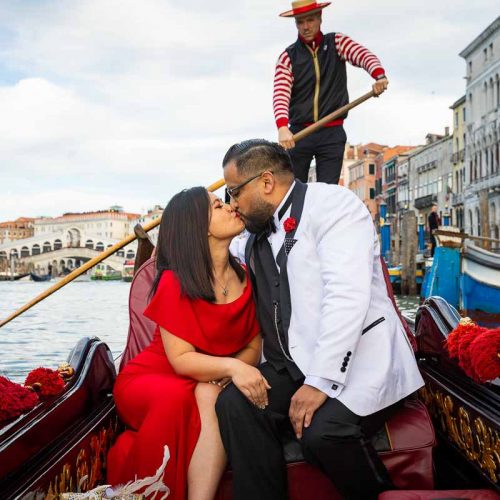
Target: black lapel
{"points": [[299, 193], [249, 260]]}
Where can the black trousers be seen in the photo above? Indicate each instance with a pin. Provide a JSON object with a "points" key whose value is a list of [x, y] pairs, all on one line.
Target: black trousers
{"points": [[327, 147], [433, 244], [337, 442]]}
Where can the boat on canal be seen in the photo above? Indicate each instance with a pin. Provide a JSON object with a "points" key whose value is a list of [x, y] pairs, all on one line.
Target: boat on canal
{"points": [[465, 274], [447, 438]]}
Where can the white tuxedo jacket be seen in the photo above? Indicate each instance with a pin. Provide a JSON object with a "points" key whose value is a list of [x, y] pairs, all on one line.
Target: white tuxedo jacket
{"points": [[343, 325]]}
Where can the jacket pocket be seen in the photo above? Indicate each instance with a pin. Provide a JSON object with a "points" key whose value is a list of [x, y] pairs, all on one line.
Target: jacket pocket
{"points": [[372, 325]]}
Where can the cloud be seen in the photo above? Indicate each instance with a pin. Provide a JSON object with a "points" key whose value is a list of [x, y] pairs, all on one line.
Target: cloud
{"points": [[131, 101]]}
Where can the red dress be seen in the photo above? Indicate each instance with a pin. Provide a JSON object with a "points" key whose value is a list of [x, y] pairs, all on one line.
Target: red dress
{"points": [[157, 405]]}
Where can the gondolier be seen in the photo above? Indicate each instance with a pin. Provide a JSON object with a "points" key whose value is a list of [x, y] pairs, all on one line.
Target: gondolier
{"points": [[310, 82]]}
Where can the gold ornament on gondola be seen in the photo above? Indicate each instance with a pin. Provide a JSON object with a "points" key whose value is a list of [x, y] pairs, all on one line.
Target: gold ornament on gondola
{"points": [[66, 371]]}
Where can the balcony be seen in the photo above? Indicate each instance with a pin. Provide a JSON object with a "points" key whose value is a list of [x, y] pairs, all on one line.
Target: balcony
{"points": [[457, 199], [427, 166], [457, 157], [425, 201]]}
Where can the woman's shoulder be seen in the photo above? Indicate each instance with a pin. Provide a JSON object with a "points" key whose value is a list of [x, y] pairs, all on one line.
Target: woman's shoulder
{"points": [[169, 280], [168, 288]]}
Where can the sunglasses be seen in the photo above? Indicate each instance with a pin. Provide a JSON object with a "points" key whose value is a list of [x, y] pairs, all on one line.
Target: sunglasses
{"points": [[234, 192]]}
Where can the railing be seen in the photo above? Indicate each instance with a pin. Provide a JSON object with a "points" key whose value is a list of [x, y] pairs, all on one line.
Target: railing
{"points": [[425, 201], [457, 198], [427, 166], [458, 156]]}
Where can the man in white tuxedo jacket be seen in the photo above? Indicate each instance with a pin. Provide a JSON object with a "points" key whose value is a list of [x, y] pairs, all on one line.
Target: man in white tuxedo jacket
{"points": [[337, 356]]}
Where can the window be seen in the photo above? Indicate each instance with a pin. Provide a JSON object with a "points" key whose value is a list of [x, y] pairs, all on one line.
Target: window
{"points": [[456, 119], [498, 91], [372, 193], [470, 68], [371, 169], [485, 55]]}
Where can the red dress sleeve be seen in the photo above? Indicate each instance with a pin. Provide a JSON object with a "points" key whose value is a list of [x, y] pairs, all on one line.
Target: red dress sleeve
{"points": [[170, 309], [217, 329]]}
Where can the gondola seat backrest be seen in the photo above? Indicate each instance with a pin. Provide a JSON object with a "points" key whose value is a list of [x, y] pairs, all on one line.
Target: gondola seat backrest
{"points": [[141, 329]]}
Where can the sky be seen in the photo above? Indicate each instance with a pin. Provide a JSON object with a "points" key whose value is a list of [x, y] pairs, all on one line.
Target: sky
{"points": [[120, 102]]}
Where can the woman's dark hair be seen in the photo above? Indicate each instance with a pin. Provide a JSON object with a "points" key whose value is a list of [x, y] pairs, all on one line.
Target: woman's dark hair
{"points": [[183, 245]]}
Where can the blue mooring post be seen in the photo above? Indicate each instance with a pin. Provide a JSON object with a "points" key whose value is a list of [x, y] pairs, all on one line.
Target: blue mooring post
{"points": [[385, 230], [446, 217], [421, 233]]}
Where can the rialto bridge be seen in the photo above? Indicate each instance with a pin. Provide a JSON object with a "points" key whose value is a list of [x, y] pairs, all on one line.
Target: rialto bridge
{"points": [[62, 251]]}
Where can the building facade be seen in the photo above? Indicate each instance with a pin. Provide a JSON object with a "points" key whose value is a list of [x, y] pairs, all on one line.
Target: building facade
{"points": [[481, 191], [430, 175], [16, 230], [362, 175], [458, 162], [152, 214], [61, 238]]}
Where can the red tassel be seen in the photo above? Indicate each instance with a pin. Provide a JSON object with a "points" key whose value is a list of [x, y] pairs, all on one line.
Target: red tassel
{"points": [[15, 399], [464, 343], [453, 341], [45, 381], [484, 353]]}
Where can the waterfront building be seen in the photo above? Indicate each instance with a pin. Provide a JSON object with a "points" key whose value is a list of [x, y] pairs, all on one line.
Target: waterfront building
{"points": [[151, 215], [391, 158], [67, 241], [362, 175], [458, 162], [481, 193], [430, 175], [112, 224], [351, 154], [18, 229]]}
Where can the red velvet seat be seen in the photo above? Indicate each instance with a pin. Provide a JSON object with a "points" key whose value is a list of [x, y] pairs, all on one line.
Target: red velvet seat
{"points": [[408, 439], [440, 495]]}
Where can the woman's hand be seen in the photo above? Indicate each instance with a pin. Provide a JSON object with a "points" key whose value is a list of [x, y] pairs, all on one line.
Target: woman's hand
{"points": [[250, 381]]}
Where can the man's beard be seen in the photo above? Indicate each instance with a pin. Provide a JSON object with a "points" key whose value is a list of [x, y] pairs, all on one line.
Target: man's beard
{"points": [[259, 218]]}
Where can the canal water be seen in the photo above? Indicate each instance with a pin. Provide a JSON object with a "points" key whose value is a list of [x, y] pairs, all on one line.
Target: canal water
{"points": [[44, 335]]}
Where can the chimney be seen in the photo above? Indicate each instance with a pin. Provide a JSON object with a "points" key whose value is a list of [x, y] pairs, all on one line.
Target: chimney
{"points": [[446, 131]]}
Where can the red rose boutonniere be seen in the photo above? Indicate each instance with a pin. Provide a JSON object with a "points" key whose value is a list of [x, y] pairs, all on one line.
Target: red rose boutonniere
{"points": [[290, 224]]}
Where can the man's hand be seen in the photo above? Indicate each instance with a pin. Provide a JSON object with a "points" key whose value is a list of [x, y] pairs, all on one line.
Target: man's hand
{"points": [[303, 405], [285, 138], [380, 86]]}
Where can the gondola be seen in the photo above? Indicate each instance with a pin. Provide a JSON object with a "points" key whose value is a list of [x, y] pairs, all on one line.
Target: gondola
{"points": [[447, 438], [40, 277]]}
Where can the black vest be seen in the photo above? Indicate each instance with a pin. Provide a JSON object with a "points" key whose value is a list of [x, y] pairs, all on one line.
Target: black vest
{"points": [[272, 291], [332, 82]]}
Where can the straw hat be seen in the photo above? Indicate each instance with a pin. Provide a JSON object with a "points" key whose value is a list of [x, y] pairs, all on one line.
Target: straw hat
{"points": [[301, 7]]}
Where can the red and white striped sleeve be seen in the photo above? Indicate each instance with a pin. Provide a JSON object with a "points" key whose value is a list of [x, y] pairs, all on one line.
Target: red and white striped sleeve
{"points": [[357, 55], [283, 81]]}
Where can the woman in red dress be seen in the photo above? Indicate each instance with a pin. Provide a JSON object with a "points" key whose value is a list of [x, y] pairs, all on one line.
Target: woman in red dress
{"points": [[207, 336]]}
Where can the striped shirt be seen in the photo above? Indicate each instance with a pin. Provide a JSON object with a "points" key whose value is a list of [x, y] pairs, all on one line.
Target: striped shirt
{"points": [[347, 49]]}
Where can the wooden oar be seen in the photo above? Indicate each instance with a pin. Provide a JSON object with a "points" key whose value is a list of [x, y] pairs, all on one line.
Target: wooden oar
{"points": [[332, 116], [91, 263], [213, 187]]}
